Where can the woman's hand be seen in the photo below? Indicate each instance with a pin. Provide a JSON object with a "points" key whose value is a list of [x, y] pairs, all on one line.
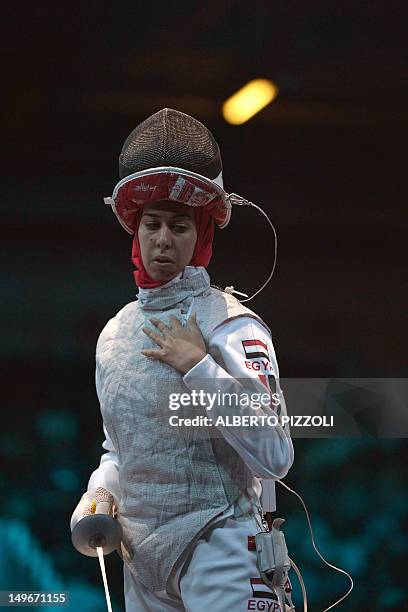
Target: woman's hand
{"points": [[95, 501], [180, 347]]}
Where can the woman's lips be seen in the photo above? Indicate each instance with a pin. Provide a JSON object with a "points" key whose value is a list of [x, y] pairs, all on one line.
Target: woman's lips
{"points": [[163, 261]]}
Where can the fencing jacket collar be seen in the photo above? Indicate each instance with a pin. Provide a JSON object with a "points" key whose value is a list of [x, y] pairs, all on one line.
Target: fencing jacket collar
{"points": [[189, 283]]}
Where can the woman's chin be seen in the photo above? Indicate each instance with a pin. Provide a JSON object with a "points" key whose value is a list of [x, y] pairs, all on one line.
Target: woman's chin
{"points": [[162, 275]]}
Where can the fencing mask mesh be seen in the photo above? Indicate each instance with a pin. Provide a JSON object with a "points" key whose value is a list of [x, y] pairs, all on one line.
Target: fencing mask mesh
{"points": [[171, 138]]}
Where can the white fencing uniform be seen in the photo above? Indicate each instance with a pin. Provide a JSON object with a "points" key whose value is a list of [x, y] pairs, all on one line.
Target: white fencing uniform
{"points": [[220, 574], [217, 571]]}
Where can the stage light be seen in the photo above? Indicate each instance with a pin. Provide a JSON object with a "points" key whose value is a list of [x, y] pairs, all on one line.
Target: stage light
{"points": [[249, 100]]}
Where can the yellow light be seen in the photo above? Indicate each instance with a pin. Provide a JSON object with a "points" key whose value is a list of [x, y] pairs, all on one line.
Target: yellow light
{"points": [[249, 100]]}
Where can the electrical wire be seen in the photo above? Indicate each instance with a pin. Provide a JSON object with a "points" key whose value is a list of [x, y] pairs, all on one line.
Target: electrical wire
{"points": [[337, 569], [238, 200], [302, 584]]}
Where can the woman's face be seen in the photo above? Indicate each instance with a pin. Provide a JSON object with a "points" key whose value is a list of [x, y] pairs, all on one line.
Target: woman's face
{"points": [[167, 236]]}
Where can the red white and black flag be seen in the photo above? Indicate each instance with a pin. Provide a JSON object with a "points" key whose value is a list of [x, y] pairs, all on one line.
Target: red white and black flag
{"points": [[255, 349], [261, 590]]}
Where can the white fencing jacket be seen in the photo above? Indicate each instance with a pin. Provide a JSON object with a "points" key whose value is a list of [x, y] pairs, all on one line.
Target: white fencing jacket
{"points": [[247, 351]]}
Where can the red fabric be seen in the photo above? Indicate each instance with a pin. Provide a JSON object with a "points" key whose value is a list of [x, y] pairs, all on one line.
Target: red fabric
{"points": [[135, 193], [201, 255]]}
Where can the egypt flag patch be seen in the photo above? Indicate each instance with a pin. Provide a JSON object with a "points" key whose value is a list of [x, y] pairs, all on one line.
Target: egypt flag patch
{"points": [[257, 359], [262, 592], [255, 349]]}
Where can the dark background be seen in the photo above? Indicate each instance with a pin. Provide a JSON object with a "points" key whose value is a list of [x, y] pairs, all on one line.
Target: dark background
{"points": [[326, 160]]}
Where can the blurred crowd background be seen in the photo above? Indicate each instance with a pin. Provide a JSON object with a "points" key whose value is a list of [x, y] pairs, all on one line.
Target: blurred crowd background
{"points": [[326, 160]]}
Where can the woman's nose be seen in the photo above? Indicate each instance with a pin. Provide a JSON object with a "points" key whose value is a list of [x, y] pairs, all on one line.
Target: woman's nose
{"points": [[164, 237]]}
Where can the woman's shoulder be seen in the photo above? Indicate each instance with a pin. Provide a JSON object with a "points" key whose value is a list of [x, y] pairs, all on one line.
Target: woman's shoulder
{"points": [[237, 312], [232, 302]]}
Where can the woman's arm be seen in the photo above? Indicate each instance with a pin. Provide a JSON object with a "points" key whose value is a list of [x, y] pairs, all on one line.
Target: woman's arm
{"points": [[106, 474], [103, 483], [241, 361]]}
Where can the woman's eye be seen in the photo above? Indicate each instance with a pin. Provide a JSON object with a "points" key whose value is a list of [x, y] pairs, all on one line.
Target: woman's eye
{"points": [[177, 227]]}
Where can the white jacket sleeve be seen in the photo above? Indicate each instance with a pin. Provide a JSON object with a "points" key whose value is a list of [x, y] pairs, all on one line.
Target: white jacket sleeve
{"points": [[245, 359], [107, 474]]}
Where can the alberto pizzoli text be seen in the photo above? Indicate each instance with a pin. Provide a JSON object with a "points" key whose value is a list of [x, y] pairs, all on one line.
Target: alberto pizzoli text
{"points": [[252, 420]]}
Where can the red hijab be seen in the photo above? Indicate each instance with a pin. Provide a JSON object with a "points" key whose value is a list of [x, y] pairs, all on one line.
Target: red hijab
{"points": [[201, 255]]}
